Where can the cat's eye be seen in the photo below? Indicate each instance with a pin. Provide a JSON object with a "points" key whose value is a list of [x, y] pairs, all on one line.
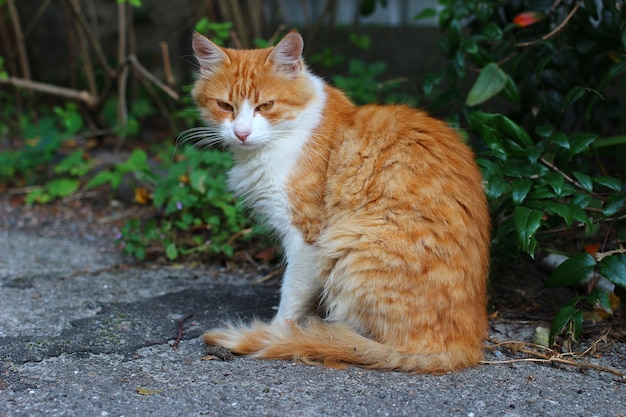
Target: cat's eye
{"points": [[265, 106], [224, 106]]}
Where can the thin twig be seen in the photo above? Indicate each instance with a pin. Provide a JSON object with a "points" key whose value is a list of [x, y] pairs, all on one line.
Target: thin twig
{"points": [[157, 99], [266, 277], [539, 357], [86, 61], [92, 39], [601, 255], [83, 96], [555, 30], [179, 329], [569, 179], [19, 35], [35, 19], [167, 67], [122, 64], [154, 80], [240, 24]]}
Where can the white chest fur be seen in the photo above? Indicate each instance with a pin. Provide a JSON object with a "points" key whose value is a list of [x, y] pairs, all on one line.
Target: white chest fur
{"points": [[260, 174]]}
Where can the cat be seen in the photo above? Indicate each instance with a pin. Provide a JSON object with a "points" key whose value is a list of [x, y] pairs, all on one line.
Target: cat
{"points": [[380, 210]]}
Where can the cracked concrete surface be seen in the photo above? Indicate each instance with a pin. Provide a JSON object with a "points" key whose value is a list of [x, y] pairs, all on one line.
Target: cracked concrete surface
{"points": [[83, 335]]}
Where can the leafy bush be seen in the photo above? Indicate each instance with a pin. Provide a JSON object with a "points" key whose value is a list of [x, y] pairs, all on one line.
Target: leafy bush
{"points": [[547, 103], [364, 82], [195, 212], [46, 141]]}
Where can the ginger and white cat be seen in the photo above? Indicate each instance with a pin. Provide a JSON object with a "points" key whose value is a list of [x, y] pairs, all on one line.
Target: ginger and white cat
{"points": [[380, 210]]}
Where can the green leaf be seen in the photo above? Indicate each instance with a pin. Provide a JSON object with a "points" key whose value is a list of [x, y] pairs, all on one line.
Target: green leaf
{"points": [[580, 142], [510, 91], [62, 187], [171, 252], [526, 222], [202, 26], [560, 138], [3, 74], [613, 204], [561, 210], [492, 31], [566, 317], [613, 268], [137, 161], [489, 168], [37, 195], [494, 128], [427, 13], [556, 181], [513, 130], [599, 299], [572, 271], [496, 187], [100, 178], [574, 95], [544, 130], [609, 182], [489, 83], [454, 34], [584, 180], [578, 213], [519, 190], [197, 179]]}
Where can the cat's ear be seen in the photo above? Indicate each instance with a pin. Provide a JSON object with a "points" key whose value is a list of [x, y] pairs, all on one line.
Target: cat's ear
{"points": [[287, 55], [208, 54]]}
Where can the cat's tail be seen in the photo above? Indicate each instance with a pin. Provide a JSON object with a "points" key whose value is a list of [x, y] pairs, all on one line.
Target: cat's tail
{"points": [[335, 345]]}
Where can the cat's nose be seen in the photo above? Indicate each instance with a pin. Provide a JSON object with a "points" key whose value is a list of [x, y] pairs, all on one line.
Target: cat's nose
{"points": [[242, 136]]}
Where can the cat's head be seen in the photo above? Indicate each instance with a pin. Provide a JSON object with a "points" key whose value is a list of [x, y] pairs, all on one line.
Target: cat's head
{"points": [[251, 97]]}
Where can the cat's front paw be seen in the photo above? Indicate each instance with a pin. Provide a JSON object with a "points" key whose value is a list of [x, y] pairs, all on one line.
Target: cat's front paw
{"points": [[219, 352]]}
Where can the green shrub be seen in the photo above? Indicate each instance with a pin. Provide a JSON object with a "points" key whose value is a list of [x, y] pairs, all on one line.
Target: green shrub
{"points": [[547, 104]]}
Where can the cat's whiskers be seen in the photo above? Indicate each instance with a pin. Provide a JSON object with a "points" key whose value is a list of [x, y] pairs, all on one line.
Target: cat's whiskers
{"points": [[196, 133], [200, 138]]}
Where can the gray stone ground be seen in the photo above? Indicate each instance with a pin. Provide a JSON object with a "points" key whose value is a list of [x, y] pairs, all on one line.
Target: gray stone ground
{"points": [[82, 334]]}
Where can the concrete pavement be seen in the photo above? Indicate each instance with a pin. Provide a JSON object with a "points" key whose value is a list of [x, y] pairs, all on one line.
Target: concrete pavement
{"points": [[82, 334]]}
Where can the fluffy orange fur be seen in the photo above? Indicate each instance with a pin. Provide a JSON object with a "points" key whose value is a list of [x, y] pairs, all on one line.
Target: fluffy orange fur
{"points": [[390, 204]]}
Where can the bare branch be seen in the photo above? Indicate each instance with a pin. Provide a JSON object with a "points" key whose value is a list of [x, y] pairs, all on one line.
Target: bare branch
{"points": [[19, 35], [92, 39], [154, 80], [35, 19], [84, 50], [79, 95], [122, 109], [167, 67], [569, 179]]}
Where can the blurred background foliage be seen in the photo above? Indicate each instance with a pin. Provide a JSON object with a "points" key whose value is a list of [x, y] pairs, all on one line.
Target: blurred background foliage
{"points": [[537, 87]]}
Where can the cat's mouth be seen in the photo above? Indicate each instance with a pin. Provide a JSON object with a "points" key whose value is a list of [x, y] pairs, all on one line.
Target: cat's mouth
{"points": [[245, 144]]}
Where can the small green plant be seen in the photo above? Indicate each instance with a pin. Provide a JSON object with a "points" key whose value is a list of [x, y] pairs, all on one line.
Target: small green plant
{"points": [[364, 81], [136, 165], [69, 171], [218, 32], [135, 3], [3, 74], [196, 213], [32, 163]]}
